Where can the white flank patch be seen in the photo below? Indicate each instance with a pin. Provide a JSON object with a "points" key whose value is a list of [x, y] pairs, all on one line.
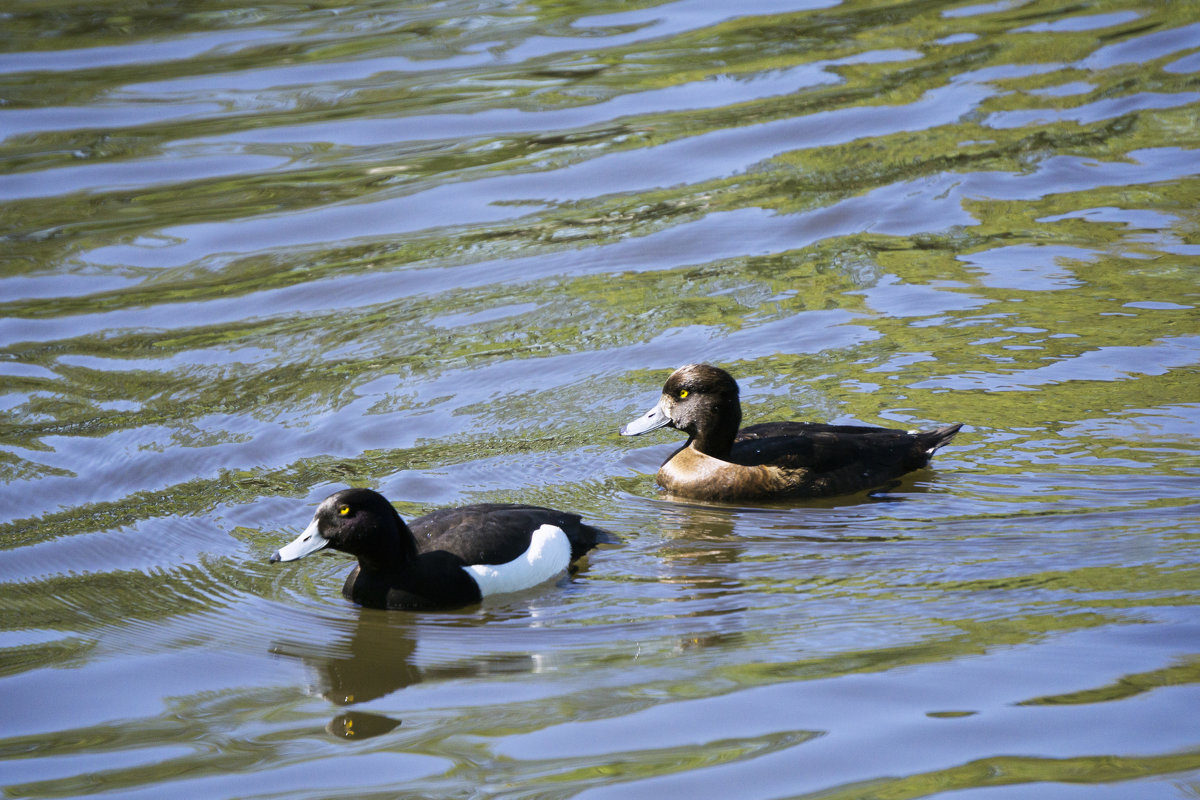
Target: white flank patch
{"points": [[548, 555]]}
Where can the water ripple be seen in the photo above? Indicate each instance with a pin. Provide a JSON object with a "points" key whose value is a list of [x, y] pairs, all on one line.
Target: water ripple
{"points": [[254, 254]]}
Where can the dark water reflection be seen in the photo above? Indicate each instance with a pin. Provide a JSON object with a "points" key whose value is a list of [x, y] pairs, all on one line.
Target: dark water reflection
{"points": [[251, 254]]}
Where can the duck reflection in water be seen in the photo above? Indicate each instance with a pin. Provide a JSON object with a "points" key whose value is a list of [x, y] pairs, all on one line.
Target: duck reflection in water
{"points": [[716, 557], [376, 659]]}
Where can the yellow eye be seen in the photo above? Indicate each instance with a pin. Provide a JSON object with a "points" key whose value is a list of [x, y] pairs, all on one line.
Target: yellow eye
{"points": [[683, 393], [343, 510]]}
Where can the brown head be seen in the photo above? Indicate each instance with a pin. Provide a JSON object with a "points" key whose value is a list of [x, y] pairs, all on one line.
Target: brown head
{"points": [[702, 401]]}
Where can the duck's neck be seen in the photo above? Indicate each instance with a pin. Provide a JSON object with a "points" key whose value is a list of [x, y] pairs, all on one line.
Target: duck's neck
{"points": [[716, 439], [389, 553]]}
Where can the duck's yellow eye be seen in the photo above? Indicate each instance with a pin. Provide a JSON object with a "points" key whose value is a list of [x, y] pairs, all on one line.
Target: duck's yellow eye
{"points": [[683, 393], [343, 510]]}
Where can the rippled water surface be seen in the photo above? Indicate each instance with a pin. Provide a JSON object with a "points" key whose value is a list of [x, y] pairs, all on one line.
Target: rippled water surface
{"points": [[255, 253]]}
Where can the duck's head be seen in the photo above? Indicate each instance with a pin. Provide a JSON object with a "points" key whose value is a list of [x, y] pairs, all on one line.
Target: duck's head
{"points": [[356, 521], [697, 399]]}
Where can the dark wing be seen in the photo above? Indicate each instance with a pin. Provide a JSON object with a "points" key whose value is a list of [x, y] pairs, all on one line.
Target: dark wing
{"points": [[496, 533], [839, 458], [816, 446]]}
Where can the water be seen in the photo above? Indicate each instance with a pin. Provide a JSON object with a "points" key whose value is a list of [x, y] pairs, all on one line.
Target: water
{"points": [[255, 253]]}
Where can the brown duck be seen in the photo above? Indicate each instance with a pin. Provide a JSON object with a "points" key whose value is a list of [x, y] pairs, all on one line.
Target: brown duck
{"points": [[772, 459]]}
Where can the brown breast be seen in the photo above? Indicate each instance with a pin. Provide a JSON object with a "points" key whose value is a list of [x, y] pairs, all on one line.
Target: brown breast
{"points": [[690, 473]]}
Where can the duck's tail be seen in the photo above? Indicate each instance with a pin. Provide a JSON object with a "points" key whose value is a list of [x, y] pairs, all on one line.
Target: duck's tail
{"points": [[932, 440]]}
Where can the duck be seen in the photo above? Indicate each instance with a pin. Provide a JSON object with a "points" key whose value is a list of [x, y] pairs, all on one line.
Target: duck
{"points": [[771, 460], [450, 558]]}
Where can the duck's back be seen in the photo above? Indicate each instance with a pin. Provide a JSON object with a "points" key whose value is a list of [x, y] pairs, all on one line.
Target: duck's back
{"points": [[496, 533], [837, 459]]}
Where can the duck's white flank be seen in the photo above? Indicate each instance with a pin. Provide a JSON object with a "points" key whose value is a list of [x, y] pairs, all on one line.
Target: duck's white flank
{"points": [[548, 555]]}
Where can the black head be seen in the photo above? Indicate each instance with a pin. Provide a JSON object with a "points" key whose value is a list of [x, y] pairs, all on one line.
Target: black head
{"points": [[356, 521]]}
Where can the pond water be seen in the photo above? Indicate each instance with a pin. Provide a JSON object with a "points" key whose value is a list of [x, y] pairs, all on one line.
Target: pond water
{"points": [[254, 253]]}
